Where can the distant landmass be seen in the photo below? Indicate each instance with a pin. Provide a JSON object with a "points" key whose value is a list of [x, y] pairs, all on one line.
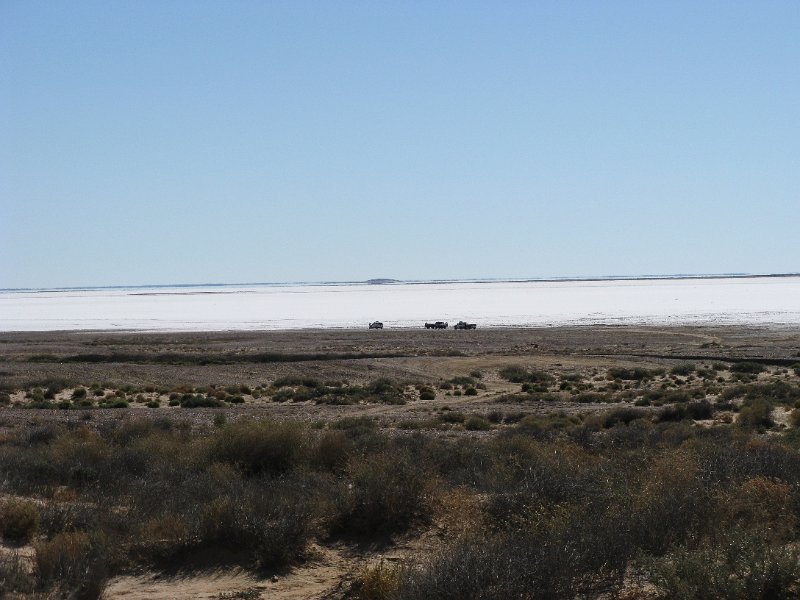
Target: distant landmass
{"points": [[380, 281]]}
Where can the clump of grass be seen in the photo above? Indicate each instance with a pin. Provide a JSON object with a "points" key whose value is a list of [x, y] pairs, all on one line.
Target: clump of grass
{"points": [[379, 581]]}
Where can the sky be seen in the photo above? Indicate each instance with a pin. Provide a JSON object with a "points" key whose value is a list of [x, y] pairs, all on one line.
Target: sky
{"points": [[158, 142]]}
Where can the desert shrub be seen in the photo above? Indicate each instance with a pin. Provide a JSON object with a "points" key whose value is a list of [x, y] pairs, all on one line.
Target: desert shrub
{"points": [[78, 393], [293, 381], [15, 576], [617, 416], [702, 409], [76, 560], [742, 567], [19, 519], [452, 417], [427, 394], [358, 428], [380, 581], [261, 446], [283, 395], [331, 451], [779, 392], [470, 391], [756, 414], [699, 410], [518, 374], [446, 386], [660, 397], [385, 391], [272, 526], [114, 403], [634, 374], [591, 397], [198, 401], [751, 368], [388, 491], [682, 369], [476, 423]]}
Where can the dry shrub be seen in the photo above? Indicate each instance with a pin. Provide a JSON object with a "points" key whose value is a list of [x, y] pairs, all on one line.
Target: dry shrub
{"points": [[272, 527], [19, 519], [740, 566], [672, 503], [15, 575], [331, 451], [262, 446], [380, 581], [74, 560], [388, 491], [163, 536], [761, 504]]}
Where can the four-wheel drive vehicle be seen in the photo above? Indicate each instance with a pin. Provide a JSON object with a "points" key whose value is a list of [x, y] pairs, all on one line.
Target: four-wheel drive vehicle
{"points": [[376, 325], [464, 325], [437, 325]]}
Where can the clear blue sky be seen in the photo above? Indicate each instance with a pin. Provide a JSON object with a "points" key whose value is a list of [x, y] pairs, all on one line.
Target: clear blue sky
{"points": [[188, 141]]}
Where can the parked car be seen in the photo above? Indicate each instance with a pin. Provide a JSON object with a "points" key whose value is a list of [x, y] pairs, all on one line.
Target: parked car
{"points": [[464, 325], [436, 325], [376, 325]]}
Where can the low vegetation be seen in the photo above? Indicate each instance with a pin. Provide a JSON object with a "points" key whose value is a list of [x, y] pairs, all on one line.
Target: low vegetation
{"points": [[681, 479]]}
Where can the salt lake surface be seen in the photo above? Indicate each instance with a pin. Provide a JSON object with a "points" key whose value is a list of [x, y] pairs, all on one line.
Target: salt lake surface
{"points": [[757, 300]]}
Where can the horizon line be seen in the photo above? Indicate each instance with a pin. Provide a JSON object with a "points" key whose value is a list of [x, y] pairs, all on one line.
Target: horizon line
{"points": [[391, 281]]}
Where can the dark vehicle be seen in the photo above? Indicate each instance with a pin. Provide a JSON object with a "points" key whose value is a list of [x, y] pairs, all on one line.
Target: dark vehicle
{"points": [[437, 325], [464, 325], [376, 325]]}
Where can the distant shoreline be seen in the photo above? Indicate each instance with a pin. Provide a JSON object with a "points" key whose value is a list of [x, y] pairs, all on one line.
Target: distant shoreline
{"points": [[389, 282]]}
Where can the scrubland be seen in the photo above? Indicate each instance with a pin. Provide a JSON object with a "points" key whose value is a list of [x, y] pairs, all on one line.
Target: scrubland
{"points": [[593, 463]]}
